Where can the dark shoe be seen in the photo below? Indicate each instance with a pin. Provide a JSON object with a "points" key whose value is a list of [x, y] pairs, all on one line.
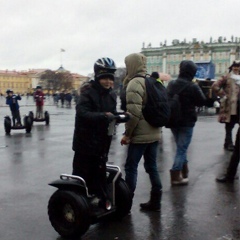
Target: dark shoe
{"points": [[224, 179], [229, 146], [177, 179], [154, 204]]}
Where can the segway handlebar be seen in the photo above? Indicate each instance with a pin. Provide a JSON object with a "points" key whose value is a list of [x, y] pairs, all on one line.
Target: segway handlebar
{"points": [[118, 118], [122, 117]]}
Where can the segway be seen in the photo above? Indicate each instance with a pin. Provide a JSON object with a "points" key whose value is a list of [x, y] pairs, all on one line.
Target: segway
{"points": [[72, 209], [27, 124], [45, 119]]}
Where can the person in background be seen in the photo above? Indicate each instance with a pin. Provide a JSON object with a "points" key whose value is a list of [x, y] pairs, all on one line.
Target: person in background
{"points": [[68, 98], [141, 137], [228, 88], [12, 101], [62, 98], [190, 97], [156, 76], [233, 164], [39, 99]]}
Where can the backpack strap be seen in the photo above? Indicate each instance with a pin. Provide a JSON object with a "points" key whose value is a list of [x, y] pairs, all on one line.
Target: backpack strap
{"points": [[183, 88], [138, 75]]}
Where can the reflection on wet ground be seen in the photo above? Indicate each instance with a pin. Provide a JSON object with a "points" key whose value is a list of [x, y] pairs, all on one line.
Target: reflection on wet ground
{"points": [[202, 210]]}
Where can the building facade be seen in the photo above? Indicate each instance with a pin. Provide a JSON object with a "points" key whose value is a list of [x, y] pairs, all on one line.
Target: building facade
{"points": [[78, 80], [20, 82], [23, 82], [167, 58]]}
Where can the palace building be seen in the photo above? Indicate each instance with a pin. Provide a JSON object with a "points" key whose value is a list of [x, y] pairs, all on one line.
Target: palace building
{"points": [[166, 58]]}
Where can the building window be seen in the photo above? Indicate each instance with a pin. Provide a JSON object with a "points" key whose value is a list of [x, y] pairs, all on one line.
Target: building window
{"points": [[168, 68], [220, 68], [226, 66], [206, 56]]}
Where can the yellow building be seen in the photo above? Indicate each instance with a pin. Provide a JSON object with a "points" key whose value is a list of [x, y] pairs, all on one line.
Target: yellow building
{"points": [[22, 82], [19, 82], [78, 80]]}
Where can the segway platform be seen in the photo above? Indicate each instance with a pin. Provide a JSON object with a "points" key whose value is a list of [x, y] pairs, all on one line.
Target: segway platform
{"points": [[27, 124], [46, 118]]}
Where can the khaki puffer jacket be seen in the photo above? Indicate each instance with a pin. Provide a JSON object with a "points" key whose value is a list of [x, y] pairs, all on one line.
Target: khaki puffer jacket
{"points": [[227, 85], [138, 129]]}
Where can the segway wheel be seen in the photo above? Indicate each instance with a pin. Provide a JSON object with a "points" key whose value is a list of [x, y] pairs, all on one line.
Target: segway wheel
{"points": [[69, 213], [31, 116], [28, 124], [7, 125], [123, 199], [47, 117]]}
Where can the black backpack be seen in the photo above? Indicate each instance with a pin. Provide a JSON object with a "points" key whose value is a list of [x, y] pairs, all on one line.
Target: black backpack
{"points": [[156, 111], [123, 94], [175, 109]]}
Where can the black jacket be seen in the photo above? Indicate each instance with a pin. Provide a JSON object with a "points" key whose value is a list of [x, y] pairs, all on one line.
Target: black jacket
{"points": [[91, 125], [191, 96]]}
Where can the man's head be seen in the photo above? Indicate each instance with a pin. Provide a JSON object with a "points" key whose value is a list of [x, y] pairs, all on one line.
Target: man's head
{"points": [[104, 68], [136, 64], [187, 70], [155, 75], [39, 88], [235, 67], [9, 92]]}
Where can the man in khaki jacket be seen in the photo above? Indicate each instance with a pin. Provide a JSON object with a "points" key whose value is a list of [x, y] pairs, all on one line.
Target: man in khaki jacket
{"points": [[139, 134]]}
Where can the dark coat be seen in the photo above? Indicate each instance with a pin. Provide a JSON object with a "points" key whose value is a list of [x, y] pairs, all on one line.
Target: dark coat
{"points": [[91, 124], [191, 96], [13, 102]]}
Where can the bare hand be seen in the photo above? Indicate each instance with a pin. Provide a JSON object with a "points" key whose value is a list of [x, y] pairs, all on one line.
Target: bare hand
{"points": [[125, 140]]}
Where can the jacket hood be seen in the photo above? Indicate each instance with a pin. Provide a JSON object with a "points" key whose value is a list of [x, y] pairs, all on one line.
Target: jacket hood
{"points": [[188, 70], [136, 64]]}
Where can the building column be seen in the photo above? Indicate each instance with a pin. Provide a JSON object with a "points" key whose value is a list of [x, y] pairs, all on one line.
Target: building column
{"points": [[192, 55], [184, 55], [210, 55], [201, 55], [232, 56], [164, 62]]}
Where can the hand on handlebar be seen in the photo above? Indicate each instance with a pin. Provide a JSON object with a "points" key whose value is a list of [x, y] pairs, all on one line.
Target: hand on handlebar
{"points": [[109, 116]]}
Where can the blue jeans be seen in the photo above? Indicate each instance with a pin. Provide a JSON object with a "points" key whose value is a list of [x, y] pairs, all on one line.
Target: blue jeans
{"points": [[135, 153], [183, 137]]}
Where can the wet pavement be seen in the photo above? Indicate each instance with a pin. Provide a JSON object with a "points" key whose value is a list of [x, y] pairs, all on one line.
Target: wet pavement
{"points": [[203, 210]]}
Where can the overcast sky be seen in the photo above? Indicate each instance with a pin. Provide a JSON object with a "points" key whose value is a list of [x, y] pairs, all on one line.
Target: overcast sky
{"points": [[33, 32]]}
